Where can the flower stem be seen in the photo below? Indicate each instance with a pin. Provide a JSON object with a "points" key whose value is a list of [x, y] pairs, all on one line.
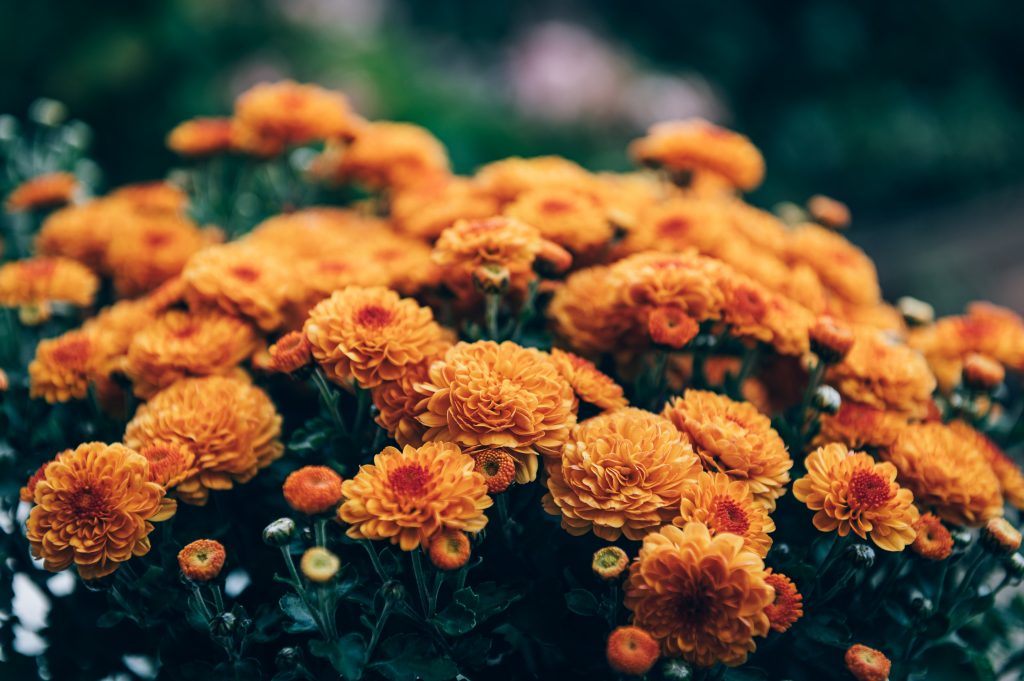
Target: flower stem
{"points": [[492, 305], [375, 560], [421, 584]]}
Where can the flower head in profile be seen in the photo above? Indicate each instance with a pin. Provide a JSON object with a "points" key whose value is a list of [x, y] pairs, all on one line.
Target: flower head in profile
{"points": [[850, 492], [313, 489], [631, 650], [290, 353], [46, 279], [933, 540], [844, 269], [384, 155], [858, 425], [734, 438], [202, 560], [702, 598], [1011, 480], [726, 505], [622, 472], [170, 463], [411, 496], [63, 367], [94, 508], [152, 249], [43, 191], [199, 137], [28, 492], [571, 217], [371, 335], [590, 385], [397, 403], [787, 607], [430, 206]]}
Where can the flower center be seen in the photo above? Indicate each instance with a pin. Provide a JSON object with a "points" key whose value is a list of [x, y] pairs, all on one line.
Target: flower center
{"points": [[693, 607], [72, 352], [555, 206], [409, 480], [373, 316], [157, 239], [674, 226], [245, 273], [88, 504], [868, 490], [747, 301], [728, 516]]}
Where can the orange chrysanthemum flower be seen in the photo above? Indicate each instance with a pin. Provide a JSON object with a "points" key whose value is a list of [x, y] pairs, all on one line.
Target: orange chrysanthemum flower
{"points": [[487, 394], [844, 269], [313, 490], [384, 155], [933, 540], [1000, 537], [290, 353], [371, 334], [44, 191], [858, 425], [588, 313], [684, 281], [569, 217], [63, 367], [881, 374], [28, 492], [622, 472], [679, 224], [229, 424], [755, 312], [201, 137], [828, 211], [41, 280], [631, 650], [412, 495], [94, 507], [947, 472], [701, 597], [151, 250], [981, 372], [699, 147], [240, 280], [181, 344], [850, 491], [170, 463], [787, 607], [609, 562], [202, 560], [867, 664], [1011, 480], [736, 439], [449, 549], [987, 329], [269, 117], [830, 340], [508, 178], [397, 401], [83, 232], [498, 468], [429, 207], [151, 198], [726, 505], [589, 384]]}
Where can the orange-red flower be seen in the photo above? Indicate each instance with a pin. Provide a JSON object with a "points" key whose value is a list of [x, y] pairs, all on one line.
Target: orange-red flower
{"points": [[202, 560], [94, 508], [609, 562], [1011, 480], [933, 540], [428, 207], [589, 384], [587, 312], [867, 664], [787, 607], [290, 353], [858, 425], [410, 496], [28, 492], [449, 549], [63, 367], [42, 191], [631, 650], [726, 505], [201, 137], [313, 490], [170, 463], [498, 468], [397, 401], [41, 280], [150, 250]]}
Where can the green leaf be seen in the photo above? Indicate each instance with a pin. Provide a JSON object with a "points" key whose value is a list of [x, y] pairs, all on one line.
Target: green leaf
{"points": [[456, 619], [299, 617], [412, 657], [827, 631], [472, 651], [488, 599], [581, 602], [109, 619], [347, 655]]}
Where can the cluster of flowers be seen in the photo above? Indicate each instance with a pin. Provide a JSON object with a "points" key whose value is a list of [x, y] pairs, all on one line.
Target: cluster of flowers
{"points": [[434, 298]]}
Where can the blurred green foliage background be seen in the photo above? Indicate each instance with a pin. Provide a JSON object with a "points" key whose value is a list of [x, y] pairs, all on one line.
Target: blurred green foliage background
{"points": [[912, 112]]}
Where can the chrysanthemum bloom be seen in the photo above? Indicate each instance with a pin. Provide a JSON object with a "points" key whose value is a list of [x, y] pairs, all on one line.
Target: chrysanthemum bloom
{"points": [[498, 468], [881, 374], [151, 198], [397, 401], [83, 232], [858, 425], [63, 367], [41, 280], [684, 281], [845, 269], [589, 384], [319, 565], [269, 117], [170, 463], [371, 334], [981, 372], [508, 178], [290, 353], [671, 327], [947, 472], [609, 562], [867, 664], [201, 137], [44, 191], [28, 492], [231, 426], [726, 505], [449, 550], [787, 607], [702, 598], [622, 472], [1000, 536], [94, 507], [202, 560], [569, 217], [427, 208], [408, 262], [681, 223], [850, 491], [734, 438], [752, 311], [182, 344], [933, 540], [830, 340], [383, 155], [487, 394], [313, 490], [631, 650], [828, 211], [410, 496], [1011, 480], [240, 280], [588, 313], [150, 250]]}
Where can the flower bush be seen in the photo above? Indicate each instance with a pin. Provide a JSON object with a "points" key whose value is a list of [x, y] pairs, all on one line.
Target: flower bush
{"points": [[317, 408]]}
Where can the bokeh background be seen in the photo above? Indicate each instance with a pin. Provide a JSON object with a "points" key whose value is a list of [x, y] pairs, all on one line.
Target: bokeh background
{"points": [[912, 112]]}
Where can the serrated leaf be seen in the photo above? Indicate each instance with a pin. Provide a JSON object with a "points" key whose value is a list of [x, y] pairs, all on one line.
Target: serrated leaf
{"points": [[456, 619], [581, 602], [299, 619]]}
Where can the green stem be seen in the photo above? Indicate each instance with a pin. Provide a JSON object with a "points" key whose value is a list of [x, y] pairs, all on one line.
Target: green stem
{"points": [[378, 628], [375, 560], [492, 305], [421, 584], [943, 574], [320, 531], [300, 589], [200, 600], [826, 564], [218, 598], [329, 399]]}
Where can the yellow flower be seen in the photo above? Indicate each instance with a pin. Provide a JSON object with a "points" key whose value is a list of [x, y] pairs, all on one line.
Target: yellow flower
{"points": [[40, 280], [384, 155], [371, 334], [410, 496], [319, 565], [850, 491], [701, 597], [485, 394], [94, 507], [726, 505], [609, 562], [589, 384], [622, 472], [43, 191], [735, 439]]}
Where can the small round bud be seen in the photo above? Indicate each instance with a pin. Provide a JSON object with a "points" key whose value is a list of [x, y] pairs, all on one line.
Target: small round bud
{"points": [[781, 552], [280, 532], [224, 624], [676, 670], [288, 658], [933, 540], [829, 212], [498, 468], [861, 555], [867, 664], [671, 327], [34, 314], [915, 312], [609, 562], [827, 400], [982, 373], [491, 279], [830, 340], [1000, 537], [319, 565], [631, 650], [312, 490], [449, 550], [1014, 566], [919, 604], [393, 591], [202, 560], [47, 111], [290, 353]]}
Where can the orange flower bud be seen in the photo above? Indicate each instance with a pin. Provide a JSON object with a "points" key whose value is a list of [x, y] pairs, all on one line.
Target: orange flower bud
{"points": [[313, 490], [631, 650], [202, 560], [449, 550], [867, 664]]}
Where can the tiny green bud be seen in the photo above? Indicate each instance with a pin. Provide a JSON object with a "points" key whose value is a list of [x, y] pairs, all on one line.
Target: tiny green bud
{"points": [[676, 670], [827, 399], [288, 658], [223, 624], [280, 532], [861, 555]]}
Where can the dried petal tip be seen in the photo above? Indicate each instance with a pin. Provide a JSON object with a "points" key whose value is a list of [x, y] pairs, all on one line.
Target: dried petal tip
{"points": [[202, 560], [981, 372], [319, 565], [631, 650], [610, 562], [1000, 537], [867, 664]]}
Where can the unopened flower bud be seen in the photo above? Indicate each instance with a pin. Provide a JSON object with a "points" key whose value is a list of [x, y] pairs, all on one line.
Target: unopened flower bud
{"points": [[982, 373], [861, 555], [961, 538], [1000, 537], [280, 532], [1014, 566], [781, 552], [449, 550], [491, 279], [827, 399], [202, 560], [829, 212], [224, 624], [867, 664], [609, 562], [288, 658], [393, 591], [47, 112], [919, 604], [915, 312], [830, 340], [34, 314], [319, 565], [676, 670]]}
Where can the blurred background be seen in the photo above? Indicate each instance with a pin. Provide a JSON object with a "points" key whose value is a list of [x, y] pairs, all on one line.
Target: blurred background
{"points": [[912, 112]]}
